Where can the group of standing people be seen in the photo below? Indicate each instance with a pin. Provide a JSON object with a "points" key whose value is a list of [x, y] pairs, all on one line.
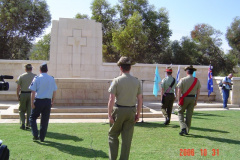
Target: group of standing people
{"points": [[123, 113], [36, 95]]}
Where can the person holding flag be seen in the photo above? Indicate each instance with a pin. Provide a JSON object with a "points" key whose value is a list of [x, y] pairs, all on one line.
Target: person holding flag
{"points": [[168, 97], [210, 81]]}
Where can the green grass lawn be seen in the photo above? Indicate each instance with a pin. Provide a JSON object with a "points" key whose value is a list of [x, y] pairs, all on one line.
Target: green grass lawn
{"points": [[211, 131]]}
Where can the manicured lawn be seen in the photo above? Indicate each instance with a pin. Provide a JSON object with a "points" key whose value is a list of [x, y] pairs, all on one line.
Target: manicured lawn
{"points": [[211, 131]]}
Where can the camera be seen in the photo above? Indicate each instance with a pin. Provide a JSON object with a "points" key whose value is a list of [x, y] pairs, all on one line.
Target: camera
{"points": [[4, 86]]}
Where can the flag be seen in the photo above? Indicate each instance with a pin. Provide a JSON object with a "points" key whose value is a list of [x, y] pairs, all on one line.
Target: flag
{"points": [[210, 81], [194, 74], [178, 74], [157, 79]]}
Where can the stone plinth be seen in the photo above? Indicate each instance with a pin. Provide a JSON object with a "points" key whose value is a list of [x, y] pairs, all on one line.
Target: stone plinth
{"points": [[82, 92]]}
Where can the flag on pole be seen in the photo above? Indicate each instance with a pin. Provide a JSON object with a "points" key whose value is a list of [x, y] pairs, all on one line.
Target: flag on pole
{"points": [[194, 74], [157, 79], [210, 81], [178, 74]]}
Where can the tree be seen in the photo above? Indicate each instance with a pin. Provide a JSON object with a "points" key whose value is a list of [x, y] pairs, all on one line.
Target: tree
{"points": [[131, 39], [233, 34], [21, 21], [81, 16], [208, 41], [102, 12], [41, 49], [155, 27]]}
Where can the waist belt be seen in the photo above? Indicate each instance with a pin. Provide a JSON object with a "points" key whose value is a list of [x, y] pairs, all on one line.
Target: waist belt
{"points": [[124, 106], [26, 91], [42, 99], [169, 93], [190, 96]]}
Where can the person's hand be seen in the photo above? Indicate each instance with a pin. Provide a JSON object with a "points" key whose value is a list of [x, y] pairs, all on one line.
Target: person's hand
{"points": [[195, 103], [111, 120], [136, 118]]}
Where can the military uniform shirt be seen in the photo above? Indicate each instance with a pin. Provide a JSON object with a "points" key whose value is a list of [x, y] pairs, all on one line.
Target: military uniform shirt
{"points": [[185, 84], [125, 88], [25, 80], [166, 82], [43, 85]]}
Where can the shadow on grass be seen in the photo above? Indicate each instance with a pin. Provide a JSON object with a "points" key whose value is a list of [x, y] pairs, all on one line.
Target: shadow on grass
{"points": [[206, 114], [62, 136], [207, 130], [149, 125], [223, 140], [75, 150]]}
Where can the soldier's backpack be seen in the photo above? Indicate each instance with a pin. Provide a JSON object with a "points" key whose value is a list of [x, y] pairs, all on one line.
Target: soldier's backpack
{"points": [[4, 152]]}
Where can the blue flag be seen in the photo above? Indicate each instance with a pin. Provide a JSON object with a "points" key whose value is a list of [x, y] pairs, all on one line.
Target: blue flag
{"points": [[157, 79], [210, 81], [194, 74], [178, 74]]}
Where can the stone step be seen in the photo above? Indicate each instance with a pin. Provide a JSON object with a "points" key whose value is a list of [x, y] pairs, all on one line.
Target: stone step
{"points": [[80, 109], [148, 96], [200, 104], [81, 115]]}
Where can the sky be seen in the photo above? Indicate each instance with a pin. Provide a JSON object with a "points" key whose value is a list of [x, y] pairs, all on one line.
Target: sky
{"points": [[183, 14]]}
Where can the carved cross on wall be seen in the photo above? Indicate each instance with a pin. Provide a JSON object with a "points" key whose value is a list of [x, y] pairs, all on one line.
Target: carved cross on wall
{"points": [[77, 41]]}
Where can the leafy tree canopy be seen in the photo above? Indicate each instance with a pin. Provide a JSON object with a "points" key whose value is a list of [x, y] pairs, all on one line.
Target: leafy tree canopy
{"points": [[21, 21]]}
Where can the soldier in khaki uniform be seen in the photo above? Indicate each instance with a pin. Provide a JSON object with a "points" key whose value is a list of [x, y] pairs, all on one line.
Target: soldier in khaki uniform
{"points": [[24, 95], [189, 101], [168, 96], [122, 111]]}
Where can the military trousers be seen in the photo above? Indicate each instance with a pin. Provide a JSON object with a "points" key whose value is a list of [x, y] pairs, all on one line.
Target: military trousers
{"points": [[168, 105], [24, 107], [124, 118], [188, 105]]}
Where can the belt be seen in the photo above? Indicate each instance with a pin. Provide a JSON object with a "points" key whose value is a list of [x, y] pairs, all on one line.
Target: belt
{"points": [[26, 91], [169, 93], [191, 96], [42, 99], [117, 105]]}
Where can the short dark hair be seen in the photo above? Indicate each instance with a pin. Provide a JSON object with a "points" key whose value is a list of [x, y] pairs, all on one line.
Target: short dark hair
{"points": [[43, 68], [190, 71], [169, 73], [126, 67]]}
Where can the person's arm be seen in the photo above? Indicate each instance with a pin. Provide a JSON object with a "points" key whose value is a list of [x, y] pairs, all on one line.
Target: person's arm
{"points": [[110, 107], [179, 94], [53, 97], [176, 93], [18, 91], [162, 92], [139, 107], [32, 99], [197, 95]]}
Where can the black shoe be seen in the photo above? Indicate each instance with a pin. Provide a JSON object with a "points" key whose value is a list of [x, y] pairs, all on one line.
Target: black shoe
{"points": [[22, 127], [27, 127], [35, 138], [167, 121], [183, 132]]}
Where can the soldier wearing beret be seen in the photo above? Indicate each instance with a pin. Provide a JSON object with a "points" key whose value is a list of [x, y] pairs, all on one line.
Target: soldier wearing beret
{"points": [[24, 95], [43, 95], [186, 84], [168, 88], [122, 110]]}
